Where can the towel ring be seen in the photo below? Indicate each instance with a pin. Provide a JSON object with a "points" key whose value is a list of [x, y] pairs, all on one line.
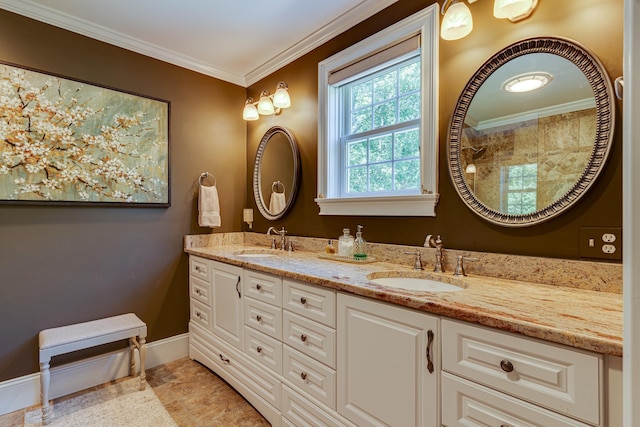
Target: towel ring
{"points": [[204, 176], [276, 185]]}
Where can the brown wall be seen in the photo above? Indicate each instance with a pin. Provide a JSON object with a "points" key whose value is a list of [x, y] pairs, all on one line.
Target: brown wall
{"points": [[61, 265], [597, 24]]}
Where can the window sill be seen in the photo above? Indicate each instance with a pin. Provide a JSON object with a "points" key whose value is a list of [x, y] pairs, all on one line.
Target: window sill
{"points": [[417, 205]]}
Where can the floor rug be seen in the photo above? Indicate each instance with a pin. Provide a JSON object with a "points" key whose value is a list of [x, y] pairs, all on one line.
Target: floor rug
{"points": [[121, 404]]}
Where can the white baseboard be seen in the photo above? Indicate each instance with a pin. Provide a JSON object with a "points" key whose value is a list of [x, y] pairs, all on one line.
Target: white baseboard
{"points": [[22, 392]]}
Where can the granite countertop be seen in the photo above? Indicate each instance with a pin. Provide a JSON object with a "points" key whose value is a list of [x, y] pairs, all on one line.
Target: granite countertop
{"points": [[586, 319]]}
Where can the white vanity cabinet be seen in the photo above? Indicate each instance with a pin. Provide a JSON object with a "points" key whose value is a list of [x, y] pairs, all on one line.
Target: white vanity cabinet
{"points": [[497, 378], [388, 369]]}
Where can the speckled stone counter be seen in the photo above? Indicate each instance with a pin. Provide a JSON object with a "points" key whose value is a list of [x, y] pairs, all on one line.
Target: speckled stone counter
{"points": [[571, 314]]}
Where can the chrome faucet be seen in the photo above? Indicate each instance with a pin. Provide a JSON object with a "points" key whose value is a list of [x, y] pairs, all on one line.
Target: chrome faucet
{"points": [[417, 263], [283, 237], [436, 242], [460, 265]]}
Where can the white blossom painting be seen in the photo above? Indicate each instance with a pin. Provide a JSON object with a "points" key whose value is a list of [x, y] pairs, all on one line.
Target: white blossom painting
{"points": [[63, 140]]}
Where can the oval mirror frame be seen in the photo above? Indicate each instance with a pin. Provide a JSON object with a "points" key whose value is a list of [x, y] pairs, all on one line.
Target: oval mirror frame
{"points": [[597, 77], [257, 179]]}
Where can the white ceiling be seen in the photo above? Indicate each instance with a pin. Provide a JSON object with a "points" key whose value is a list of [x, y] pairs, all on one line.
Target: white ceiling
{"points": [[240, 41]]}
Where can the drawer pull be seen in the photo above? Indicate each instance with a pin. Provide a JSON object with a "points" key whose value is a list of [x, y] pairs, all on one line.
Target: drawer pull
{"points": [[506, 366], [198, 269], [224, 359], [303, 337], [238, 287], [504, 425], [198, 292], [258, 286], [198, 315], [303, 375], [429, 343], [303, 300], [259, 318], [259, 349]]}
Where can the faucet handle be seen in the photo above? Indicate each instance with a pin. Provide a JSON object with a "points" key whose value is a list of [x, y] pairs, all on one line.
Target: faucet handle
{"points": [[460, 265], [417, 263]]}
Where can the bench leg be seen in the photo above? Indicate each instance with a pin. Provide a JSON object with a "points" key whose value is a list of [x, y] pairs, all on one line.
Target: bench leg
{"points": [[143, 356], [132, 356], [45, 379]]}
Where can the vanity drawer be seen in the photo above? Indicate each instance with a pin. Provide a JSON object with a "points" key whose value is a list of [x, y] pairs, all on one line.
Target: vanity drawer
{"points": [[263, 287], [311, 338], [199, 267], [309, 376], [310, 301], [201, 314], [298, 411], [467, 404], [265, 318], [200, 290], [263, 349], [554, 376]]}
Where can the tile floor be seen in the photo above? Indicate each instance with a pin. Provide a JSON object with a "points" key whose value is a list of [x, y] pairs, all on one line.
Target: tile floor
{"points": [[192, 394]]}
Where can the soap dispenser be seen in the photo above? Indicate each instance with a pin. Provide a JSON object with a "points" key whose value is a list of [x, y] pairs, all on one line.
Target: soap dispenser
{"points": [[345, 243], [359, 246]]}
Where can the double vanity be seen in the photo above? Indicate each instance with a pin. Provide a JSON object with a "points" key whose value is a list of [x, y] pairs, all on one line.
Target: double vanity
{"points": [[314, 341]]}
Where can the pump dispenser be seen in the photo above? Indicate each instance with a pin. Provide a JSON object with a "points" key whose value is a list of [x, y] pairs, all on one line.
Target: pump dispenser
{"points": [[359, 246]]}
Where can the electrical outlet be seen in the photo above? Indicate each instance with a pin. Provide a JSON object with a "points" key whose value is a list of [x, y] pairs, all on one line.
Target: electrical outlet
{"points": [[601, 243]]}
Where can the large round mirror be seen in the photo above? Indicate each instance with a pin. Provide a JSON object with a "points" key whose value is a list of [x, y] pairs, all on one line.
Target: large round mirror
{"points": [[531, 131], [276, 173]]}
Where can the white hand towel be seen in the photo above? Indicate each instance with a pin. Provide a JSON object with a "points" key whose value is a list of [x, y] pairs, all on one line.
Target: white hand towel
{"points": [[277, 203], [208, 207]]}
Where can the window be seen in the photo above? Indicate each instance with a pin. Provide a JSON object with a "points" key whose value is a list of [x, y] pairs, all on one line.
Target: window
{"points": [[377, 131], [380, 136], [519, 189]]}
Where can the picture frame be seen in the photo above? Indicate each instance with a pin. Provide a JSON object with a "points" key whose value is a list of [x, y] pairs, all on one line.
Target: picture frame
{"points": [[65, 141]]}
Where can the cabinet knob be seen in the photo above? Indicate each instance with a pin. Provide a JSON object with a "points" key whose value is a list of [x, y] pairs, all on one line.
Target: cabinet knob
{"points": [[198, 315], [198, 269], [303, 300], [303, 375], [506, 366], [198, 292], [504, 425], [259, 349], [258, 318], [258, 286], [303, 338]]}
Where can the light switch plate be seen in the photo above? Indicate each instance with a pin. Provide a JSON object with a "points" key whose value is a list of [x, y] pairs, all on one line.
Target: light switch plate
{"points": [[601, 243]]}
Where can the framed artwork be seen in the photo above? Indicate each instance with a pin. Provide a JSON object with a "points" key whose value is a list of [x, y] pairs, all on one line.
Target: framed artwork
{"points": [[65, 141]]}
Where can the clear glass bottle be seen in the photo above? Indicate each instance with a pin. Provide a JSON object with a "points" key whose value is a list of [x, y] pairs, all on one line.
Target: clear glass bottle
{"points": [[329, 248], [359, 246], [345, 243]]}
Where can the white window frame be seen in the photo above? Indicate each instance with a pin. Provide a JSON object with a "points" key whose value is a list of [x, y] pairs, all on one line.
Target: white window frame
{"points": [[328, 198]]}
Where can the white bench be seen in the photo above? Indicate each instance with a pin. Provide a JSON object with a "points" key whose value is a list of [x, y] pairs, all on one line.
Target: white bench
{"points": [[66, 339]]}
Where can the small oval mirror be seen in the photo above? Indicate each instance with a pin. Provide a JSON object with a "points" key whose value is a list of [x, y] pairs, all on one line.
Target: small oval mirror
{"points": [[518, 157], [276, 173]]}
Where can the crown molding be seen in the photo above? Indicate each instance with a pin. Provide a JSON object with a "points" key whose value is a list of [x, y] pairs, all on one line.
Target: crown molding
{"points": [[353, 16]]}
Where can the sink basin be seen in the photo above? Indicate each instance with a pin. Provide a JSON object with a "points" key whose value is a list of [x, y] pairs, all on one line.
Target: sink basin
{"points": [[416, 281], [256, 253]]}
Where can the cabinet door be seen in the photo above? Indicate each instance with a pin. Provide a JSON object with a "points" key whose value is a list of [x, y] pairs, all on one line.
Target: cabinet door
{"points": [[227, 316], [387, 374]]}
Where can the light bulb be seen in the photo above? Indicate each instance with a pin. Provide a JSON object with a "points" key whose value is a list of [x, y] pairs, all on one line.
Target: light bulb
{"points": [[457, 22]]}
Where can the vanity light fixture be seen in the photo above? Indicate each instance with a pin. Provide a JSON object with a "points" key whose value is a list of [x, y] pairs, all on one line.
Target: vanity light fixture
{"points": [[267, 104], [527, 82], [513, 10], [458, 22]]}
